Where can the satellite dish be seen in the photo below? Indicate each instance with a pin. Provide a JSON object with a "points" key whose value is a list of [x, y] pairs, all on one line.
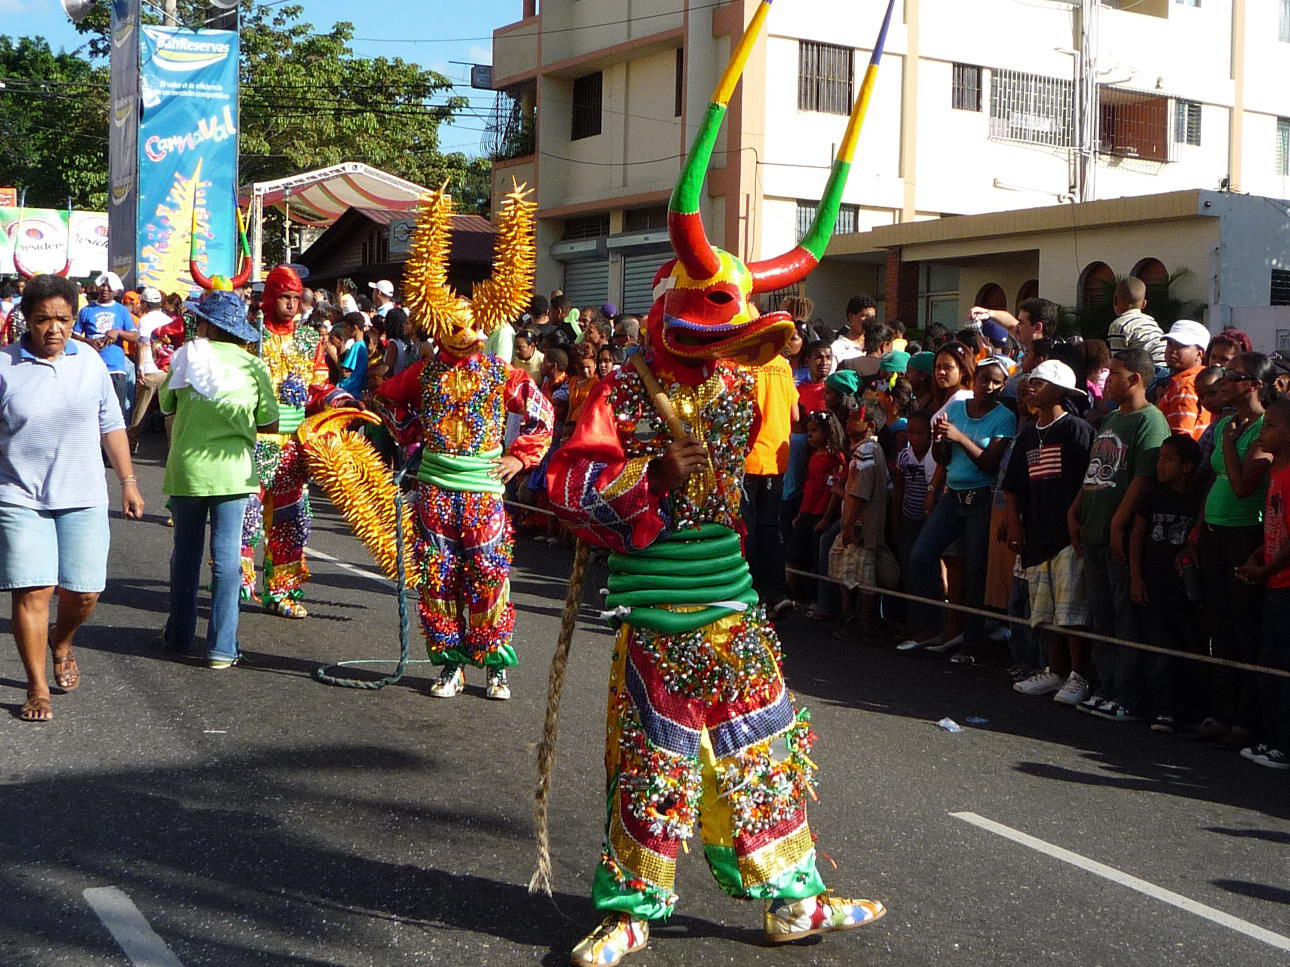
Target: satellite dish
{"points": [[78, 10]]}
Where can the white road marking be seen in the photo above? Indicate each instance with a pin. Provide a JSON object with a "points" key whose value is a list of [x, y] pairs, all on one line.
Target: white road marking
{"points": [[128, 927], [1132, 882], [370, 575]]}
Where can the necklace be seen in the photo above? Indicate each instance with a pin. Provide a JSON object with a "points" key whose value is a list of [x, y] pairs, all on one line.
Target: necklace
{"points": [[1043, 430]]}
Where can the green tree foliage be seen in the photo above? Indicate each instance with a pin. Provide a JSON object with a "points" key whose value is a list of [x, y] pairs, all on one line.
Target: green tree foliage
{"points": [[53, 125], [307, 102]]}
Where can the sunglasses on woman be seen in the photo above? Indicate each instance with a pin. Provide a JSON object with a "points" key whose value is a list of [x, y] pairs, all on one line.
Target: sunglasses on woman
{"points": [[1234, 376]]}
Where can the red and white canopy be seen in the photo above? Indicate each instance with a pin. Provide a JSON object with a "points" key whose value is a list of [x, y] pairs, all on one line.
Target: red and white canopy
{"points": [[318, 198]]}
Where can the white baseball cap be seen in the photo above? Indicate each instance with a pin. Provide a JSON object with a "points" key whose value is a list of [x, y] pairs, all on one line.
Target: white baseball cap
{"points": [[112, 279], [1058, 373], [385, 287], [1188, 333], [151, 296]]}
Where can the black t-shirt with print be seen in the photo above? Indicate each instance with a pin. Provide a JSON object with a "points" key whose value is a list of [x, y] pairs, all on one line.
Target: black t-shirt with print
{"points": [[1170, 516], [1045, 472]]}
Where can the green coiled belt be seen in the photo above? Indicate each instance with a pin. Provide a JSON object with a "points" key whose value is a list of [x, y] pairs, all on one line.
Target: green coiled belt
{"points": [[700, 566]]}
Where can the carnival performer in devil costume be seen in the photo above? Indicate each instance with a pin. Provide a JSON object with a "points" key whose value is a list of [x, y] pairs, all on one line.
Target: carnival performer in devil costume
{"points": [[455, 405], [280, 514], [703, 734]]}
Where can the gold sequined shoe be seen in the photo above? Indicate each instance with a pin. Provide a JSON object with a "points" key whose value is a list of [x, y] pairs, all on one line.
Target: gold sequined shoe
{"points": [[794, 919], [618, 935]]}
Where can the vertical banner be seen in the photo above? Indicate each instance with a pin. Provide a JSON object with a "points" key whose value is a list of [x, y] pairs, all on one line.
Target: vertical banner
{"points": [[187, 155], [123, 140]]}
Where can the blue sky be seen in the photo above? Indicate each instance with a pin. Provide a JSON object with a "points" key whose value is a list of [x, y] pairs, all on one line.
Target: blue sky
{"points": [[447, 31]]}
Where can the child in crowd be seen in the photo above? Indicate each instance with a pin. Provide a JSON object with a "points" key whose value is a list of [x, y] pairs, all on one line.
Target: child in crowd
{"points": [[853, 558], [1162, 520], [1122, 464], [1185, 345], [915, 468], [1044, 474], [1270, 566], [819, 363], [826, 464], [608, 359], [1209, 385]]}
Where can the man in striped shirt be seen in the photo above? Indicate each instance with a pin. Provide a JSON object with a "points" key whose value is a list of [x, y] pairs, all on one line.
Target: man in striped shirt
{"points": [[1179, 401], [1132, 328]]}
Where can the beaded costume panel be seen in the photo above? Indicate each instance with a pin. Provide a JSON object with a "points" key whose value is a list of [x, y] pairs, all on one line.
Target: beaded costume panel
{"points": [[463, 408]]}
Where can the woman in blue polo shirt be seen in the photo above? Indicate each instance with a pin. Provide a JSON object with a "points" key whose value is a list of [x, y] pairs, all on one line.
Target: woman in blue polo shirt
{"points": [[57, 409]]}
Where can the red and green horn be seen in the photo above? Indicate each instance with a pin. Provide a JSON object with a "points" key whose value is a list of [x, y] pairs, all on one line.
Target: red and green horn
{"points": [[690, 241], [200, 279]]}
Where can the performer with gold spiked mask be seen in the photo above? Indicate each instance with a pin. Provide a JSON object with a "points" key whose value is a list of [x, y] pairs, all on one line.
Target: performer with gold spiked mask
{"points": [[458, 402], [703, 735]]}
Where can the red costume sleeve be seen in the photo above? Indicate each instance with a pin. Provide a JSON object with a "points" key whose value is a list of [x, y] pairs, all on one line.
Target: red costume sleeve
{"points": [[538, 418], [605, 497], [396, 401]]}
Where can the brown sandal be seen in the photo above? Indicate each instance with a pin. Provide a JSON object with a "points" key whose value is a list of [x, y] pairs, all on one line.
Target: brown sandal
{"points": [[69, 678], [37, 708]]}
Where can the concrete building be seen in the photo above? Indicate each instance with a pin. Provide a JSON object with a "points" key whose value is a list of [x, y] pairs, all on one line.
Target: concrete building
{"points": [[982, 107]]}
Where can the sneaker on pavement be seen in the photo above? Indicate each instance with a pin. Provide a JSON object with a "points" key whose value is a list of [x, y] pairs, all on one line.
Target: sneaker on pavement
{"points": [[944, 646], [618, 935], [1266, 756], [451, 681], [1115, 712], [1091, 704], [1075, 691], [788, 920], [223, 662], [913, 644], [1040, 683], [1017, 671], [498, 688], [1163, 723]]}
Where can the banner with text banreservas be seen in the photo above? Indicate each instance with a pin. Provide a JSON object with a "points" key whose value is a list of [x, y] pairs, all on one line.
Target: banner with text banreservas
{"points": [[188, 138]]}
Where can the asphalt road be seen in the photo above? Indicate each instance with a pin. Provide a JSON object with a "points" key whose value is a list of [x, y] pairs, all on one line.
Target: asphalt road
{"points": [[255, 816]]}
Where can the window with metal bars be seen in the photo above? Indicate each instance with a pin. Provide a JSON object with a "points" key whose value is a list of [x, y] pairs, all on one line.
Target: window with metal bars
{"points": [[587, 226], [848, 222], [1133, 124], [1186, 122], [587, 93], [825, 76], [1283, 27], [1280, 295], [1283, 146], [965, 88], [1031, 108], [645, 219]]}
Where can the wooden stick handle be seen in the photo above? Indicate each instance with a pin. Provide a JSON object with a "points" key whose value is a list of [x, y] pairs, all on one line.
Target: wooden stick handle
{"points": [[658, 396]]}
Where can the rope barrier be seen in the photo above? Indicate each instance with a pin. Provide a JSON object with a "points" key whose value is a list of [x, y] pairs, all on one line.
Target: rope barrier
{"points": [[1012, 619]]}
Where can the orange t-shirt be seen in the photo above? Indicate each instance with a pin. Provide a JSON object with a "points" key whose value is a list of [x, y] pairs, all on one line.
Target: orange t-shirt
{"points": [[776, 396], [1180, 404]]}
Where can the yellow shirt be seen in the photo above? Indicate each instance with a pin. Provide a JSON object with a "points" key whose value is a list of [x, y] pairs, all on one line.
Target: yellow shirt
{"points": [[776, 396]]}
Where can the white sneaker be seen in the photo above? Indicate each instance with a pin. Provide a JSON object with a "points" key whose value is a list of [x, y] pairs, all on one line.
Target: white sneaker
{"points": [[913, 644], [498, 689], [1074, 691], [1040, 683], [451, 681]]}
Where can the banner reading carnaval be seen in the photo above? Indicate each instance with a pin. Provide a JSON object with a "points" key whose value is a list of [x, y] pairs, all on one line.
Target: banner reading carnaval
{"points": [[187, 154]]}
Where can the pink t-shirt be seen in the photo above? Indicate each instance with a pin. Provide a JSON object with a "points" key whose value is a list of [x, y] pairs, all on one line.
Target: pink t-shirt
{"points": [[1276, 524]]}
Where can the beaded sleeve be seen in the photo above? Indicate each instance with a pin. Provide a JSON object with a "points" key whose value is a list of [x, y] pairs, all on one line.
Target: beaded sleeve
{"points": [[537, 425]]}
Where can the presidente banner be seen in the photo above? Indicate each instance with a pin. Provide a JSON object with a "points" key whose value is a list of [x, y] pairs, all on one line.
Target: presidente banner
{"points": [[123, 140], [47, 240], [187, 154]]}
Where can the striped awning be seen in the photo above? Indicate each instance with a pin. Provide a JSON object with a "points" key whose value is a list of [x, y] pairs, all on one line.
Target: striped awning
{"points": [[318, 198]]}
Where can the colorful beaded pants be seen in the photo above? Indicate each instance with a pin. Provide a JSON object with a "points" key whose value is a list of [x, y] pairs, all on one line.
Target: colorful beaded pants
{"points": [[703, 734], [279, 515], [463, 548]]}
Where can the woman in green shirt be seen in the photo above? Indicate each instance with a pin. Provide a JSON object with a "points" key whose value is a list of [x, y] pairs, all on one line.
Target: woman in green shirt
{"points": [[1231, 529], [221, 396]]}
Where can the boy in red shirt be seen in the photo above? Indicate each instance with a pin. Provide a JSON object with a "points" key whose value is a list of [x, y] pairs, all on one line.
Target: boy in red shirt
{"points": [[1270, 566]]}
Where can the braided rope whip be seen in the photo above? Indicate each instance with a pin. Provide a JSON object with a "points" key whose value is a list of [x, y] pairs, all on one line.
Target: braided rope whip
{"points": [[541, 880], [324, 673]]}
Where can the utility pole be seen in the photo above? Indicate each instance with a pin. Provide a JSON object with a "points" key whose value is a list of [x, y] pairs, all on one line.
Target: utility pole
{"points": [[1086, 122], [172, 13]]}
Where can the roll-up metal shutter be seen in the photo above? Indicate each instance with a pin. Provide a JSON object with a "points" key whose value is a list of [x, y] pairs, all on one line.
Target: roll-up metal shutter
{"points": [[638, 281], [586, 282]]}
